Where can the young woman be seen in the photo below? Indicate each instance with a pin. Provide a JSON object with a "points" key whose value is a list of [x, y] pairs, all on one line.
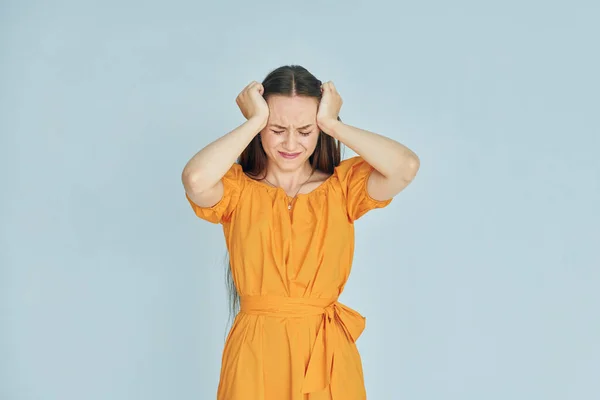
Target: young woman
{"points": [[287, 208]]}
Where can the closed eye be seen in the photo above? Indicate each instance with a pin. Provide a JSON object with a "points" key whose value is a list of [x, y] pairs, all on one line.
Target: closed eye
{"points": [[280, 132]]}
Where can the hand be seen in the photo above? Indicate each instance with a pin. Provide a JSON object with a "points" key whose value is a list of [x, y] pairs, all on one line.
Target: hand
{"points": [[252, 104], [329, 107]]}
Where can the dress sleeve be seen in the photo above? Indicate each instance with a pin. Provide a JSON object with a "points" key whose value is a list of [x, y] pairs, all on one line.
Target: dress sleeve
{"points": [[233, 182], [353, 175]]}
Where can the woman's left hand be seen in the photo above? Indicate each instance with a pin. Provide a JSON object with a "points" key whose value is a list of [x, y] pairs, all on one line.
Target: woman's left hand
{"points": [[329, 107]]}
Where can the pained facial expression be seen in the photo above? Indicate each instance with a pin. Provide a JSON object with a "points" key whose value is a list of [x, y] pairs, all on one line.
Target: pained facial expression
{"points": [[291, 134]]}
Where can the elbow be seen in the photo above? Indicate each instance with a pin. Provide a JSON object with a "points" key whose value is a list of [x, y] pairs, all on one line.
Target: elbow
{"points": [[413, 165], [408, 167], [192, 180], [411, 168]]}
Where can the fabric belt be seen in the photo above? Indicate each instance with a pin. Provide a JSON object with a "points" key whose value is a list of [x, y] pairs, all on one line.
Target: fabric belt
{"points": [[339, 323]]}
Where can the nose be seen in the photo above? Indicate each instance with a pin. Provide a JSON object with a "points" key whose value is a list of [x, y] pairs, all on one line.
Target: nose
{"points": [[290, 141]]}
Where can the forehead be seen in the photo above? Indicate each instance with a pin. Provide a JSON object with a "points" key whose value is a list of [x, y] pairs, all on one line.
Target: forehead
{"points": [[286, 110]]}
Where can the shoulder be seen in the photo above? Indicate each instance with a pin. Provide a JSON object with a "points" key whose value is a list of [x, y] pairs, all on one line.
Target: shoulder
{"points": [[235, 175], [352, 166]]}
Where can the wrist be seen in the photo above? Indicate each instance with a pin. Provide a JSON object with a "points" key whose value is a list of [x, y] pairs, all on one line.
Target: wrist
{"points": [[258, 123], [330, 127]]}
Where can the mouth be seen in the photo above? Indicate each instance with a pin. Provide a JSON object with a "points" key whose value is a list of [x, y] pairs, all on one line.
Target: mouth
{"points": [[289, 156]]}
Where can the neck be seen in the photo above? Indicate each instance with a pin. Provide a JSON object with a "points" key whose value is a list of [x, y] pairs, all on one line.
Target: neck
{"points": [[288, 179]]}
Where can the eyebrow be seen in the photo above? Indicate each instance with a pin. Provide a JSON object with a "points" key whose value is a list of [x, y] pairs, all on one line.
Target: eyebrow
{"points": [[283, 127]]}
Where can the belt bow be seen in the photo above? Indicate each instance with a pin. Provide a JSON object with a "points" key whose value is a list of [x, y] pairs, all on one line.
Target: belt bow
{"points": [[339, 322]]}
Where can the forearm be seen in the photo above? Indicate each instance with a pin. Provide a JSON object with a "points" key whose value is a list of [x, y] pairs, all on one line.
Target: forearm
{"points": [[386, 155], [209, 165]]}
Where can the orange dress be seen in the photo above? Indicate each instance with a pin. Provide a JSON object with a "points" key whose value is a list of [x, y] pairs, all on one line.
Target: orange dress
{"points": [[292, 339]]}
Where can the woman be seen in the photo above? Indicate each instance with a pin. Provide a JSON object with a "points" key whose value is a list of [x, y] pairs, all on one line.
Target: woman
{"points": [[287, 209]]}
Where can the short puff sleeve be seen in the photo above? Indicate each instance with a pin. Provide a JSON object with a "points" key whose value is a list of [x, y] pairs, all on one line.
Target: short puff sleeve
{"points": [[233, 183], [353, 175]]}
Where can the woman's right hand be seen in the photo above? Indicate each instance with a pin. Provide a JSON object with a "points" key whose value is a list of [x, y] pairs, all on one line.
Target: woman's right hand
{"points": [[252, 104]]}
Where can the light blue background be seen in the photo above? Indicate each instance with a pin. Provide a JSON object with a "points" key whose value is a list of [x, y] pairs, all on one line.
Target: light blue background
{"points": [[480, 281]]}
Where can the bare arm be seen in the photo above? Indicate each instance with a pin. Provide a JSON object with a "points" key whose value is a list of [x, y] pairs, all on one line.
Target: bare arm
{"points": [[203, 173], [395, 164]]}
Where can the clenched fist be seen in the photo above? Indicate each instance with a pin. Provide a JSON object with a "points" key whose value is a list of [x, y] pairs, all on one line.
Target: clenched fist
{"points": [[252, 104], [329, 107]]}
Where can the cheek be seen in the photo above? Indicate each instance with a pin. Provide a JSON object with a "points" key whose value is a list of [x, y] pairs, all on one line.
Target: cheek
{"points": [[310, 142], [269, 140]]}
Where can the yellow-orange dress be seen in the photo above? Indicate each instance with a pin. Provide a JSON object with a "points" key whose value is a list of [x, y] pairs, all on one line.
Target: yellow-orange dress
{"points": [[292, 339]]}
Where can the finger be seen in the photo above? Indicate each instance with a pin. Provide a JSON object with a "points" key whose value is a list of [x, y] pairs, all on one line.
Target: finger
{"points": [[261, 89], [252, 85], [257, 87]]}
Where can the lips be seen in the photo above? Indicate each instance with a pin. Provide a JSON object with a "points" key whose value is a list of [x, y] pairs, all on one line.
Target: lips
{"points": [[289, 155]]}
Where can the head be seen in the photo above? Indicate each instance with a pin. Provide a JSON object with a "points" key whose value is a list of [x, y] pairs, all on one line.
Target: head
{"points": [[291, 137]]}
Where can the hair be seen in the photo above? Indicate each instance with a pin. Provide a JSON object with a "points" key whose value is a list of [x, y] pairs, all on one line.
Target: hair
{"points": [[288, 80]]}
